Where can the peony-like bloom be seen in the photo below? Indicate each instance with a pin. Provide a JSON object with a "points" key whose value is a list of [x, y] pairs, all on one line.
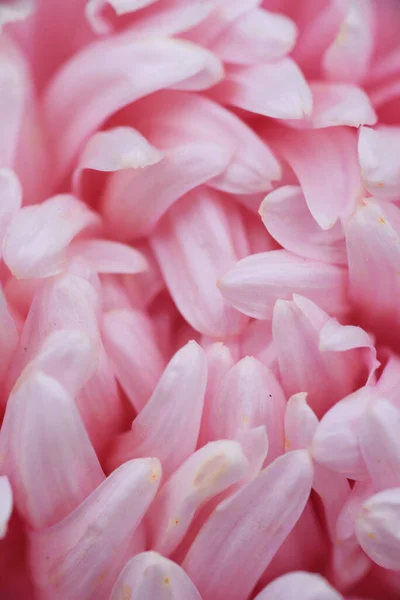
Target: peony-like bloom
{"points": [[200, 299]]}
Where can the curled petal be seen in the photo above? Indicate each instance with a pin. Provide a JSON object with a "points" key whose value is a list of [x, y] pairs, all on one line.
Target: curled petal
{"points": [[256, 282], [287, 218], [168, 426], [149, 575], [377, 528], [299, 586], [99, 23], [206, 473], [256, 521], [6, 505], [378, 151], [81, 556], [198, 221]]}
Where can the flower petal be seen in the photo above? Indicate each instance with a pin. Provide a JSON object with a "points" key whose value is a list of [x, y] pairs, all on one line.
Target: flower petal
{"points": [[299, 585], [10, 200], [6, 505], [106, 256], [378, 152], [8, 340], [99, 23]]}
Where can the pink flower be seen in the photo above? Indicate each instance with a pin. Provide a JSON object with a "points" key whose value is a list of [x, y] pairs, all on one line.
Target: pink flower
{"points": [[199, 314]]}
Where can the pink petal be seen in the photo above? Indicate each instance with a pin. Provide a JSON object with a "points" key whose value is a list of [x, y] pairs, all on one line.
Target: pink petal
{"points": [[378, 151], [149, 575], [348, 57], [6, 505], [300, 423], [245, 531], [168, 426], [167, 117], [286, 216], [99, 23], [299, 585], [14, 11], [10, 200], [131, 344], [256, 36], [81, 556], [346, 522], [377, 528], [248, 396], [30, 248], [255, 445], [80, 97], [8, 340], [349, 565], [277, 90], [49, 458], [206, 473], [113, 150], [106, 256], [135, 200], [258, 281], [380, 444], [388, 383], [256, 341], [325, 161], [198, 221]]}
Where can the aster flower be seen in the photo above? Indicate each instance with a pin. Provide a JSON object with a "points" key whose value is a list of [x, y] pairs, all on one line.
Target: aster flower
{"points": [[199, 322]]}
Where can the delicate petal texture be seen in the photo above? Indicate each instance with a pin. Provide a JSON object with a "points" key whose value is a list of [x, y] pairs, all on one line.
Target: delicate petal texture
{"points": [[377, 528], [149, 575], [256, 282], [30, 249], [130, 340], [248, 396], [80, 97], [113, 150], [286, 216], [75, 558], [13, 11], [198, 221], [10, 200], [325, 161], [276, 89], [169, 424], [245, 531], [257, 36], [206, 473], [300, 423], [378, 151], [105, 256], [346, 522], [299, 586], [100, 24], [44, 442], [6, 505], [8, 339]]}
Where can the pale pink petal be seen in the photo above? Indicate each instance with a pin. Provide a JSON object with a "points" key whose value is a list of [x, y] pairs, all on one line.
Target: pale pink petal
{"points": [[206, 473], [256, 36], [373, 250], [149, 576], [346, 522], [30, 248], [168, 426], [255, 283], [388, 383], [8, 340], [277, 89], [80, 97], [299, 585], [49, 459], [325, 161], [335, 443], [6, 505], [348, 57], [377, 528], [327, 373], [349, 565], [379, 443], [247, 397], [378, 151], [143, 288], [256, 341], [99, 23], [166, 117], [135, 200], [12, 11], [81, 556], [245, 531], [130, 341], [198, 221], [106, 256], [113, 150], [10, 200], [300, 423], [286, 216], [255, 445]]}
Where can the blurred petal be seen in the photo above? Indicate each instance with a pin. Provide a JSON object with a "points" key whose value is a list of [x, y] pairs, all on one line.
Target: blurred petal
{"points": [[378, 152], [300, 423], [299, 586], [81, 556], [206, 473], [256, 282], [286, 216], [99, 23], [131, 344], [199, 221], [8, 340], [10, 200], [15, 10], [149, 575], [256, 521], [6, 505], [168, 426]]}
